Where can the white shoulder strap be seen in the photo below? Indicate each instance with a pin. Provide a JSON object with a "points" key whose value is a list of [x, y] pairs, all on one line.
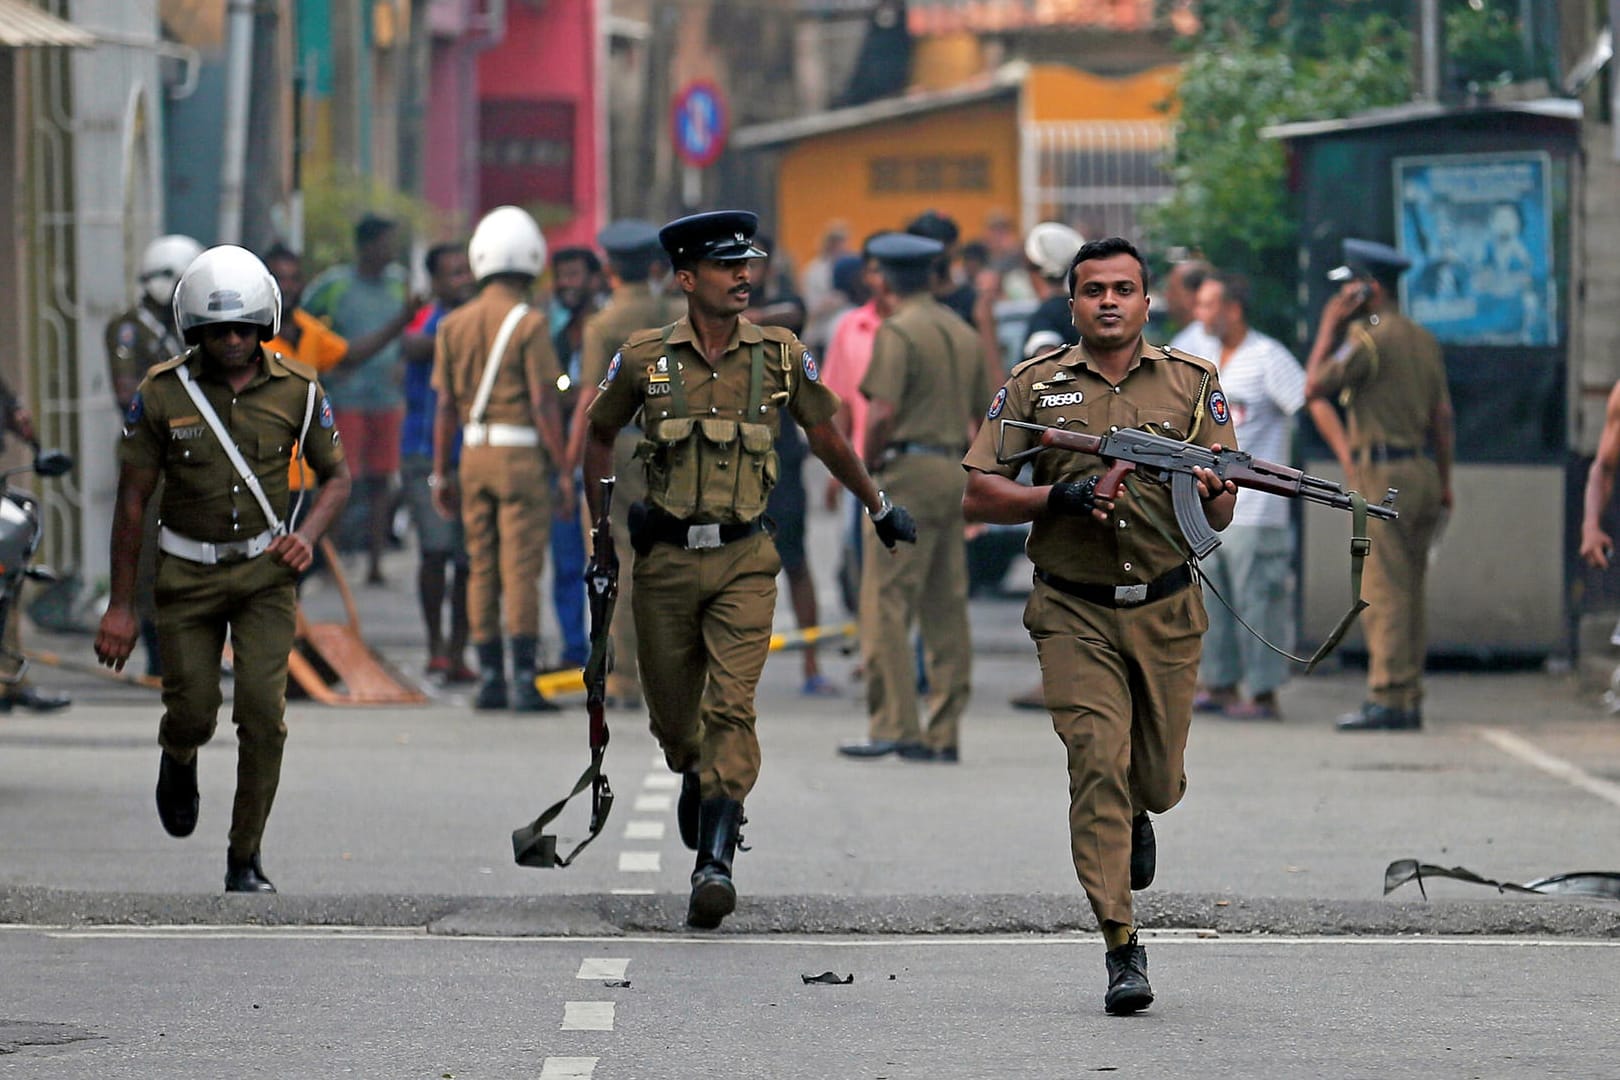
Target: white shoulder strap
{"points": [[303, 479], [497, 351], [208, 414]]}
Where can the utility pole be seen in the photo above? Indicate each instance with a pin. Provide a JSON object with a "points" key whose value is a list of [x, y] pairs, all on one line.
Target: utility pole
{"points": [[238, 91]]}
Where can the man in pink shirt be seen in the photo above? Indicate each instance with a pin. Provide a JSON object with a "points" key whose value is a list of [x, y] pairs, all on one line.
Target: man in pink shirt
{"points": [[849, 351]]}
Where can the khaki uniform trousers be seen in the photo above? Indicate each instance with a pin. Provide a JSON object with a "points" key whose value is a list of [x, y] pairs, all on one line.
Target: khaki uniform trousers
{"points": [[506, 512], [624, 681], [922, 585], [703, 620], [1119, 684], [255, 601], [1395, 622]]}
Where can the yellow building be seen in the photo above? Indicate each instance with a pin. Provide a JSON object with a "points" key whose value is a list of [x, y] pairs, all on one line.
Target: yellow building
{"points": [[1028, 142]]}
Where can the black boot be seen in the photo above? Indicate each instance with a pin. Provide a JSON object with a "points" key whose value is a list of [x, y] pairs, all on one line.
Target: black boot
{"points": [[1144, 852], [1375, 717], [245, 875], [687, 811], [526, 697], [713, 895], [1128, 989], [177, 798], [491, 675]]}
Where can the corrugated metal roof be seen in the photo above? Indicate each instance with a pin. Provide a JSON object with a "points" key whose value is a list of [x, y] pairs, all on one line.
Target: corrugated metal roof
{"points": [[22, 25], [1418, 111]]}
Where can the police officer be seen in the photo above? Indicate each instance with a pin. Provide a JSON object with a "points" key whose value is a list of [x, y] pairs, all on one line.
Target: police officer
{"points": [[136, 339], [709, 388], [496, 375], [925, 390], [218, 423], [1050, 248], [633, 256], [1388, 374], [1116, 620]]}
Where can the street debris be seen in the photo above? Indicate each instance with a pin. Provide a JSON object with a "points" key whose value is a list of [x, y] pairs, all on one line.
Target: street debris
{"points": [[1599, 884], [830, 978]]}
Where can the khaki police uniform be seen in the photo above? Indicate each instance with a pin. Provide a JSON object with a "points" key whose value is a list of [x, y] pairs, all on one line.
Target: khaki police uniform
{"points": [[1391, 378], [506, 474], [705, 570], [1116, 620], [632, 307], [243, 592], [927, 363]]}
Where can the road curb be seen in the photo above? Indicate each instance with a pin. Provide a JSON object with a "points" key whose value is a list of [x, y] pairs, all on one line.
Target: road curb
{"points": [[605, 915]]}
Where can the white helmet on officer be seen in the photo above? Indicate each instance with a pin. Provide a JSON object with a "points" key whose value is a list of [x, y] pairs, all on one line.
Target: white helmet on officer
{"points": [[1051, 247], [162, 263], [507, 241], [227, 284]]}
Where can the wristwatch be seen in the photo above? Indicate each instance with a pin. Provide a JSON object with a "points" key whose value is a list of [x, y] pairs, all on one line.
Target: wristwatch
{"points": [[884, 506]]}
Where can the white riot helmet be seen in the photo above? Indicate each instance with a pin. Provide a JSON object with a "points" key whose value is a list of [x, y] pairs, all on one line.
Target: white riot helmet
{"points": [[227, 284], [162, 263], [1051, 247], [507, 241]]}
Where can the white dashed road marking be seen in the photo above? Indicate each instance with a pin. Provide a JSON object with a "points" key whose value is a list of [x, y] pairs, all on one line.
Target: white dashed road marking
{"points": [[661, 781], [639, 862], [646, 829], [567, 1068], [587, 1016], [1531, 754], [653, 804], [602, 967]]}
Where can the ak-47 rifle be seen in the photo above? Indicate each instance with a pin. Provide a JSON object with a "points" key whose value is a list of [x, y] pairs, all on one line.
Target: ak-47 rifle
{"points": [[1172, 461], [531, 844]]}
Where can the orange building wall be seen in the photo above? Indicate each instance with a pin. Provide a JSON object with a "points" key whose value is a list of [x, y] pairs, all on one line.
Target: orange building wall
{"points": [[879, 177], [1054, 92]]}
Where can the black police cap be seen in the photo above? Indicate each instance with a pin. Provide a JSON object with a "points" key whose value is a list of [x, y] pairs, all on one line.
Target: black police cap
{"points": [[1368, 258], [629, 237], [935, 226], [903, 249], [718, 234]]}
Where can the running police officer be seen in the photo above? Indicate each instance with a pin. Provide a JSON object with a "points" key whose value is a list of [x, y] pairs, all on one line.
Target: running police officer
{"points": [[1388, 373], [218, 424], [496, 375], [709, 388], [926, 392], [633, 255], [1116, 623]]}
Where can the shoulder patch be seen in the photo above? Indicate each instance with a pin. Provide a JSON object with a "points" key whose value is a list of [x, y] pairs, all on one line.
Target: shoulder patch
{"points": [[137, 409], [326, 412], [612, 370], [1219, 410], [811, 371], [128, 334], [996, 404]]}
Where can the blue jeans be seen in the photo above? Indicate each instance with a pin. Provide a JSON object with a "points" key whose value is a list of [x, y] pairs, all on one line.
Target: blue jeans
{"points": [[568, 585]]}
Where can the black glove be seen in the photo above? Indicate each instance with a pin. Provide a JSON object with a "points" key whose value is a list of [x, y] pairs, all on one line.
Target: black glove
{"points": [[894, 523], [1076, 497]]}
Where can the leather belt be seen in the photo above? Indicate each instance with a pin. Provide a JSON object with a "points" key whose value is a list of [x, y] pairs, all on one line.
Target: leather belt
{"points": [[668, 530], [1385, 452], [1123, 596], [499, 435], [212, 553]]}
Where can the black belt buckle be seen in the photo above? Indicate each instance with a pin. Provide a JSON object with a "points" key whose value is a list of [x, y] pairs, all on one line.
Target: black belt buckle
{"points": [[234, 553]]}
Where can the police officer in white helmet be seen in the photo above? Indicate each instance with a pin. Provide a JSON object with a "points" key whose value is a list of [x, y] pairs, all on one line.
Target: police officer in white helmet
{"points": [[495, 371], [219, 424], [1050, 248]]}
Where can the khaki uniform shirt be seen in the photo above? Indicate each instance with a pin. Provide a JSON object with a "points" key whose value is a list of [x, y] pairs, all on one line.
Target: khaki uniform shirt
{"points": [[928, 363], [633, 307], [1390, 377], [204, 498], [137, 339], [1168, 392], [529, 364]]}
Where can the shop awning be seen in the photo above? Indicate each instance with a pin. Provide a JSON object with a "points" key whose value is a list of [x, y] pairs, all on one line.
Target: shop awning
{"points": [[22, 25]]}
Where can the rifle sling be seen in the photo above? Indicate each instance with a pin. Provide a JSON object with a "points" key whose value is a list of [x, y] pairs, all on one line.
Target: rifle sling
{"points": [[586, 779]]}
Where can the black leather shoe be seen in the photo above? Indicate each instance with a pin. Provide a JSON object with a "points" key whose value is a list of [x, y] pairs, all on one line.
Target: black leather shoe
{"points": [[1374, 717], [34, 699], [246, 875], [950, 756], [1144, 852], [177, 798], [714, 896], [916, 751], [869, 748], [686, 809], [527, 698], [1128, 989]]}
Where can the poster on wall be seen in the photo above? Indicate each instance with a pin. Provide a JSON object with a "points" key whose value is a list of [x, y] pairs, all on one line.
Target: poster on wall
{"points": [[1478, 229]]}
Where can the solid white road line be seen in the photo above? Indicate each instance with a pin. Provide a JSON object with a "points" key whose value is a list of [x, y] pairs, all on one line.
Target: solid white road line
{"points": [[1531, 754], [602, 967], [653, 804], [587, 1016], [639, 862], [661, 781], [644, 829], [631, 892], [567, 1068]]}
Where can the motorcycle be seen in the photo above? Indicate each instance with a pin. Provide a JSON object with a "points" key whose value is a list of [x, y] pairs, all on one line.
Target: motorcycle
{"points": [[21, 529]]}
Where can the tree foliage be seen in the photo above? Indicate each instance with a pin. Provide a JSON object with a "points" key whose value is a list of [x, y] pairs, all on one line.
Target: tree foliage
{"points": [[1254, 65]]}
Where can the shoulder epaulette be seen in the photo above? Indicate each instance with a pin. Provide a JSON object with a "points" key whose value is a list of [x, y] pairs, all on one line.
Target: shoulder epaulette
{"points": [[1050, 354], [296, 366], [779, 334], [1188, 358], [643, 337], [168, 365]]}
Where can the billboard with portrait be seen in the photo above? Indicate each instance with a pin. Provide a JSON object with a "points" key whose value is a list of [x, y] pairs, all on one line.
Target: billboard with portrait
{"points": [[1478, 229]]}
